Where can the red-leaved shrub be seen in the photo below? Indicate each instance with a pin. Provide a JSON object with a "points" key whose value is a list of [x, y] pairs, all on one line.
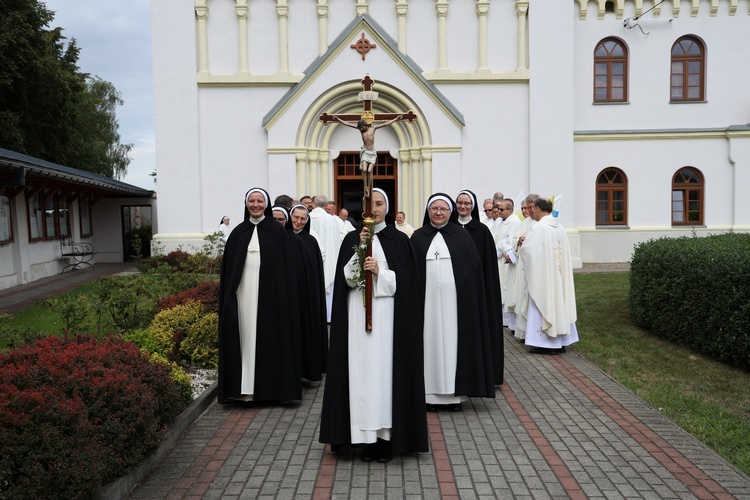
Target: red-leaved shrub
{"points": [[207, 293], [76, 413], [177, 258]]}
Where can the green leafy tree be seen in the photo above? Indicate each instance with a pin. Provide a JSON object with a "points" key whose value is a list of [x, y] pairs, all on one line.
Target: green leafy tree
{"points": [[48, 108], [97, 143]]}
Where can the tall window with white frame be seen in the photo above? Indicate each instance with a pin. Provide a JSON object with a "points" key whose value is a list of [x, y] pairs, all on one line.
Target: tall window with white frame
{"points": [[612, 198], [611, 71], [687, 197], [688, 71]]}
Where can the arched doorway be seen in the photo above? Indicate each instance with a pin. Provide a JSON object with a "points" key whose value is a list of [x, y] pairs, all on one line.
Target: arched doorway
{"points": [[347, 180]]}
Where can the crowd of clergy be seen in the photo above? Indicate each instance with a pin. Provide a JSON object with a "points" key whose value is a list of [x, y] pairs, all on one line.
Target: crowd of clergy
{"points": [[291, 307]]}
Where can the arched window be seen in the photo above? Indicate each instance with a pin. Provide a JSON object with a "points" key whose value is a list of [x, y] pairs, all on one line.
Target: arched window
{"points": [[611, 198], [687, 197], [611, 71], [688, 70]]}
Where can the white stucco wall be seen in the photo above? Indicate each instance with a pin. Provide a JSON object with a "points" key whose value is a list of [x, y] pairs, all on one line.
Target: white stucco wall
{"points": [[24, 262], [518, 136]]}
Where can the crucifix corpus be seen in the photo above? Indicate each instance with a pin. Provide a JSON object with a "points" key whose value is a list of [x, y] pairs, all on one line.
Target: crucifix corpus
{"points": [[364, 122], [367, 158]]}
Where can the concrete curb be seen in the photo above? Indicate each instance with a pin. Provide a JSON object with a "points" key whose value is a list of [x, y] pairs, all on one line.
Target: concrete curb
{"points": [[121, 488]]}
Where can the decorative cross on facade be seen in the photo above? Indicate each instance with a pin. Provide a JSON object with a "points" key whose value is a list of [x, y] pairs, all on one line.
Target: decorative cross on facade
{"points": [[366, 97], [363, 46]]}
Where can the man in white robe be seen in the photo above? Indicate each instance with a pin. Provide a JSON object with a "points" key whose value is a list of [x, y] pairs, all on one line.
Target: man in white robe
{"points": [[329, 236], [402, 225], [345, 226], [486, 215], [496, 199], [521, 292], [548, 268], [506, 243]]}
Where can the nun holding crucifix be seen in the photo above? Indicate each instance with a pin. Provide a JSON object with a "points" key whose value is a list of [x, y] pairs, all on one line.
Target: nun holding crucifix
{"points": [[374, 392]]}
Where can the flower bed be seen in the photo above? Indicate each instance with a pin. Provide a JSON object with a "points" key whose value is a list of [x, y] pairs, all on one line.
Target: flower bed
{"points": [[77, 412]]}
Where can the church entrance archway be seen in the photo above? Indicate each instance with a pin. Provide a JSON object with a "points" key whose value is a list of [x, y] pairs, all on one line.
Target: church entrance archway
{"points": [[348, 181]]}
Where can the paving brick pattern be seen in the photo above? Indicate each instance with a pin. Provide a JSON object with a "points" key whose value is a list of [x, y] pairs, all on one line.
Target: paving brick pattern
{"points": [[558, 428]]}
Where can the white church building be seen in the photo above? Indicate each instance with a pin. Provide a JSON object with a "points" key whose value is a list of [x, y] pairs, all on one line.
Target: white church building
{"points": [[636, 112]]}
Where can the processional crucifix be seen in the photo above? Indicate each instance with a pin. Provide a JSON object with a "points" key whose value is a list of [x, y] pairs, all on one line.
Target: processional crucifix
{"points": [[368, 156]]}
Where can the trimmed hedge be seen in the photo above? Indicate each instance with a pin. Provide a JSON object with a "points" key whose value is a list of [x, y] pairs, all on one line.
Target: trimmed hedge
{"points": [[77, 412], [695, 292]]}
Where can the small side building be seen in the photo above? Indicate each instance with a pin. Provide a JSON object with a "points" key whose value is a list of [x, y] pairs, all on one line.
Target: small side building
{"points": [[44, 205]]}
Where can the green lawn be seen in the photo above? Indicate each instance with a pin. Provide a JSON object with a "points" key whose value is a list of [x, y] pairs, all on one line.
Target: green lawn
{"points": [[706, 398]]}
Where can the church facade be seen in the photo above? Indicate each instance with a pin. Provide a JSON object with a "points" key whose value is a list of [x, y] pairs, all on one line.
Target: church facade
{"points": [[633, 114]]}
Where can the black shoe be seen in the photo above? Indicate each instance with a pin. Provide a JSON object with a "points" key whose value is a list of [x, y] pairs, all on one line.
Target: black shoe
{"points": [[562, 349], [542, 350], [384, 451], [430, 407], [455, 407], [370, 452]]}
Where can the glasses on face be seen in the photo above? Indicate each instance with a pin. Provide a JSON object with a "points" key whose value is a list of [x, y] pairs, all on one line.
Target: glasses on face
{"points": [[439, 210], [463, 203]]}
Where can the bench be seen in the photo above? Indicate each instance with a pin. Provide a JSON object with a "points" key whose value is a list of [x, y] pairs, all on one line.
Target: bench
{"points": [[76, 255]]}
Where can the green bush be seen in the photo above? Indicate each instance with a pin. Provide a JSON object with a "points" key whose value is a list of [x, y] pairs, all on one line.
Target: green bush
{"points": [[75, 309], [143, 338], [696, 292], [128, 299], [201, 345], [178, 375], [170, 327]]}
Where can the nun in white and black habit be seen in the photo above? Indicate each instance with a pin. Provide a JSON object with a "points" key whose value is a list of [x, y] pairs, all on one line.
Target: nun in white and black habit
{"points": [[259, 349]]}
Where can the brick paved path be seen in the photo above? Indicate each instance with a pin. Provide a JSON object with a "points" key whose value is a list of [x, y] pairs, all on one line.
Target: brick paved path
{"points": [[558, 428]]}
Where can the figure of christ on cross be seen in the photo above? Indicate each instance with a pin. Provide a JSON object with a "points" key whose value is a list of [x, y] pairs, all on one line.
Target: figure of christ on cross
{"points": [[368, 155]]}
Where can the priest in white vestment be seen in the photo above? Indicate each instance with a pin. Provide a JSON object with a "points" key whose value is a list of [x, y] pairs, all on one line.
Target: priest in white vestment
{"points": [[329, 236], [548, 268], [521, 292], [506, 243], [402, 225]]}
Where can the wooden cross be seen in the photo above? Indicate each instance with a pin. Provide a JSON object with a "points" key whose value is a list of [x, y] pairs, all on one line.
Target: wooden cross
{"points": [[367, 96]]}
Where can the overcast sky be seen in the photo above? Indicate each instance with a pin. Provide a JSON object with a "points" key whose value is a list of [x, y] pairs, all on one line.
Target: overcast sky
{"points": [[115, 41]]}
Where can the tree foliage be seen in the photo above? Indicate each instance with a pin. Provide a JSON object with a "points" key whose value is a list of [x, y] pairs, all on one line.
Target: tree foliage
{"points": [[48, 107]]}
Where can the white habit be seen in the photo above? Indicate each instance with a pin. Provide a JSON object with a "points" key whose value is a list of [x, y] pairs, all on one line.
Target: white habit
{"points": [[371, 354], [247, 310], [440, 326]]}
